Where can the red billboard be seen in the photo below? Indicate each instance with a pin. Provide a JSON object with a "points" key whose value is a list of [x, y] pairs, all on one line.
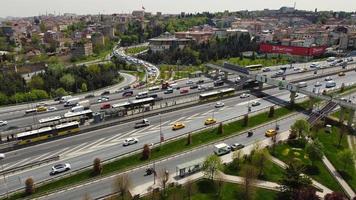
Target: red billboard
{"points": [[293, 50]]}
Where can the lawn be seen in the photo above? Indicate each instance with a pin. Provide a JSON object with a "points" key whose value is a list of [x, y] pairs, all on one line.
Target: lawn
{"points": [[288, 153], [248, 61], [179, 71], [206, 190], [331, 149], [272, 172], [135, 50]]}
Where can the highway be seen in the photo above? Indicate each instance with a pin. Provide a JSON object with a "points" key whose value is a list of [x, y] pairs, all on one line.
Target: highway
{"points": [[107, 143]]}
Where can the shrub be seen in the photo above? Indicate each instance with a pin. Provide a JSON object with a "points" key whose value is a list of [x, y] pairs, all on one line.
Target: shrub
{"points": [[312, 170], [30, 186], [97, 168], [146, 152]]}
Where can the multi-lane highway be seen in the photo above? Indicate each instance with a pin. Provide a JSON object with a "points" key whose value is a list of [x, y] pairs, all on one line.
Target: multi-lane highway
{"points": [[107, 143]]}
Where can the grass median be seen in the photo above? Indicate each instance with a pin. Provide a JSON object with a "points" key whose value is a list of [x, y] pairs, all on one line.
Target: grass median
{"points": [[169, 148]]}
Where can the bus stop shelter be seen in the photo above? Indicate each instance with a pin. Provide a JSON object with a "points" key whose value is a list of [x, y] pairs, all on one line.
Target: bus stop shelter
{"points": [[189, 167]]}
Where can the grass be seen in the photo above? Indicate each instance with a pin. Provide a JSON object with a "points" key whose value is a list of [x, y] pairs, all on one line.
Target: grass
{"points": [[135, 50], [169, 148], [288, 153], [271, 172], [206, 190], [180, 71], [331, 149], [248, 61]]}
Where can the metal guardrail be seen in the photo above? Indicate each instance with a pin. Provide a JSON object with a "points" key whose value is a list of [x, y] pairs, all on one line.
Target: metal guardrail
{"points": [[29, 165]]}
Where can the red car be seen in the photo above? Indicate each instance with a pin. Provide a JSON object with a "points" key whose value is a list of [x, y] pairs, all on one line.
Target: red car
{"points": [[184, 90], [105, 106]]}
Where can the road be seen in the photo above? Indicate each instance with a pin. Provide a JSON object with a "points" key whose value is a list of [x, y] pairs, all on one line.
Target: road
{"points": [[107, 143]]}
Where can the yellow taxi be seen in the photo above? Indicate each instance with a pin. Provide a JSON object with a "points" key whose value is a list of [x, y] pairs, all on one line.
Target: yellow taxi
{"points": [[177, 126], [271, 133], [210, 121], [41, 109], [341, 74]]}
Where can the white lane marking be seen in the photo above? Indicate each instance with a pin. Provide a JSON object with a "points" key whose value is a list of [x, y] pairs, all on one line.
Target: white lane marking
{"points": [[102, 142], [118, 138], [242, 103], [62, 150], [41, 156], [96, 142], [74, 149], [179, 119], [193, 116], [17, 164]]}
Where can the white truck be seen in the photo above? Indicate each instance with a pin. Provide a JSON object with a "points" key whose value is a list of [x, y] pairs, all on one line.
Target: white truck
{"points": [[71, 102], [142, 123], [65, 99], [77, 108], [85, 104], [221, 149]]}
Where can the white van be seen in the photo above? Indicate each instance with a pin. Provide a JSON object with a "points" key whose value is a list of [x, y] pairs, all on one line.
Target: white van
{"points": [[142, 95], [77, 108], [221, 149], [72, 102], [65, 98], [330, 84]]}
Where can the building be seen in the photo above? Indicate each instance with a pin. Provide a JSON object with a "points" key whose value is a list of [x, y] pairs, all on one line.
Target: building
{"points": [[167, 41], [197, 36], [140, 14], [80, 49], [97, 39], [51, 37], [108, 31]]}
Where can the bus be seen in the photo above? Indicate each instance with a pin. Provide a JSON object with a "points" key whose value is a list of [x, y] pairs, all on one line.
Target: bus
{"points": [[254, 67], [49, 119], [154, 88], [142, 102], [217, 94], [142, 95], [66, 128], [84, 113], [227, 92]]}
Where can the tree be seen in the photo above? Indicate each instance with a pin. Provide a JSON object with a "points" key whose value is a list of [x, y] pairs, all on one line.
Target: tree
{"points": [[271, 112], [3, 99], [221, 128], [146, 152], [341, 135], [314, 150], [36, 82], [335, 196], [189, 139], [301, 126], [342, 88], [246, 120], [67, 81], [211, 165], [259, 159], [163, 177], [293, 180], [29, 186], [121, 185], [250, 174], [189, 188], [97, 167], [60, 92], [236, 159], [346, 157], [306, 193], [84, 87]]}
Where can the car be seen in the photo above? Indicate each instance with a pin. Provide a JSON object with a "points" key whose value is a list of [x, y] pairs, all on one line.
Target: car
{"points": [[130, 141], [318, 84], [266, 69], [3, 123], [219, 104], [270, 133], [244, 95], [59, 168], [201, 87], [255, 103], [209, 121], [52, 108], [314, 65], [57, 99], [329, 78], [279, 72], [41, 109], [346, 100], [350, 59], [249, 133], [105, 93], [41, 105], [341, 74], [296, 69], [168, 91], [189, 82], [236, 146], [200, 81], [193, 86], [89, 96], [177, 126]]}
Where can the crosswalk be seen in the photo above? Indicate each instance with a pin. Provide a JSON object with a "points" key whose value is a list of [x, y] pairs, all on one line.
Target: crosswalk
{"points": [[87, 147]]}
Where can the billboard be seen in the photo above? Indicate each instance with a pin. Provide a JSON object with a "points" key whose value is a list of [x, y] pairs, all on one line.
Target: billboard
{"points": [[293, 50]]}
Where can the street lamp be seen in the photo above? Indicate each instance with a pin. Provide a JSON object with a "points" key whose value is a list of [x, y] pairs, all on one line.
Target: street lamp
{"points": [[2, 157]]}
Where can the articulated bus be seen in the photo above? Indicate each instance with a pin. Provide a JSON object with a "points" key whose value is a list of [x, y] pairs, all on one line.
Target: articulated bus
{"points": [[47, 133], [217, 94], [254, 67]]}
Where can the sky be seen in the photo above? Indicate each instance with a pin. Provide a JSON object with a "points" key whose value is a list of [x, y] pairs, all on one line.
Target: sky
{"points": [[22, 8]]}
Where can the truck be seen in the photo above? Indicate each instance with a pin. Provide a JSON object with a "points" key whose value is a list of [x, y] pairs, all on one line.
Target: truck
{"points": [[85, 104], [221, 149], [65, 99], [71, 102], [142, 123], [77, 108]]}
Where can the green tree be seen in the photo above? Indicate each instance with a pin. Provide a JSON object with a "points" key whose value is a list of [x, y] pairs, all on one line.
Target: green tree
{"points": [[36, 82], [271, 112], [211, 165], [347, 157], [3, 99], [314, 150], [40, 94], [97, 167], [259, 159], [249, 173], [67, 81], [84, 87], [301, 126], [60, 92]]}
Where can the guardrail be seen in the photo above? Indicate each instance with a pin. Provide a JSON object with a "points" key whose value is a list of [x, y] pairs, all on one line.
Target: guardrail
{"points": [[29, 165]]}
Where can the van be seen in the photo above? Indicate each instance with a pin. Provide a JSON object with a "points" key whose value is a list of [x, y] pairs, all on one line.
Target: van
{"points": [[71, 102], [302, 84], [221, 149], [330, 84], [64, 99], [142, 95], [77, 108]]}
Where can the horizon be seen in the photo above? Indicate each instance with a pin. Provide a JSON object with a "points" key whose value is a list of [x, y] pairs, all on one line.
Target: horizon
{"points": [[92, 7]]}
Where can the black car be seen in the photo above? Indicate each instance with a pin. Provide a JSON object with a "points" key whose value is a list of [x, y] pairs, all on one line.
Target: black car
{"points": [[105, 93], [193, 86], [249, 133], [127, 87], [57, 98], [200, 81], [89, 96]]}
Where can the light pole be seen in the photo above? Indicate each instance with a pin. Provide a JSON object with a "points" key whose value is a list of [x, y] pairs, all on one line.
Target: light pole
{"points": [[2, 157]]}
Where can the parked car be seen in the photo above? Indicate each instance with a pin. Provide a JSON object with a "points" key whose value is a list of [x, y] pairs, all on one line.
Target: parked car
{"points": [[130, 141], [59, 168], [236, 146]]}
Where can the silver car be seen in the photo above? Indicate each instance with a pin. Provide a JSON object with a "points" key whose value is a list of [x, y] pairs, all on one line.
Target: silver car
{"points": [[59, 168]]}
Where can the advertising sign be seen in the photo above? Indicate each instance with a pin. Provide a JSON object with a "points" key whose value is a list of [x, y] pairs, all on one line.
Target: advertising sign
{"points": [[293, 50]]}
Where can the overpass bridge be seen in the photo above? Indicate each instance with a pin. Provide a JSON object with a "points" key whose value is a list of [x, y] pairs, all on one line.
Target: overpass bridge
{"points": [[292, 87]]}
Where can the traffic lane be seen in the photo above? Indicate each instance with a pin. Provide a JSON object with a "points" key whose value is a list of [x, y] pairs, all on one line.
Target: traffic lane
{"points": [[41, 173], [138, 177], [110, 131]]}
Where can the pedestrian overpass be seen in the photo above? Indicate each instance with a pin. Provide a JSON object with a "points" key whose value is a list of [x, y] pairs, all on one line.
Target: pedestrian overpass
{"points": [[293, 88]]}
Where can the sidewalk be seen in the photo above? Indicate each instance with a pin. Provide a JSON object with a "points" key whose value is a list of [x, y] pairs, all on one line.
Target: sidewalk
{"points": [[348, 190], [351, 140]]}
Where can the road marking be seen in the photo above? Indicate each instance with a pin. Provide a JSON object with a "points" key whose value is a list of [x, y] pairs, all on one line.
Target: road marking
{"points": [[42, 156], [242, 103], [75, 148], [96, 142], [17, 164], [101, 142], [193, 116], [179, 119], [208, 112], [118, 138]]}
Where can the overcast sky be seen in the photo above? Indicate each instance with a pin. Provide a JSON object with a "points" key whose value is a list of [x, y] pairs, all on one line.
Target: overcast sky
{"points": [[35, 7]]}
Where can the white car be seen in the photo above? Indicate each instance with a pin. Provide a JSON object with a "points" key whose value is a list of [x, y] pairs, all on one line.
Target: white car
{"points": [[189, 82], [130, 141], [59, 168], [244, 95], [52, 108], [219, 104], [3, 123], [328, 78], [255, 103], [297, 69], [279, 72], [318, 84]]}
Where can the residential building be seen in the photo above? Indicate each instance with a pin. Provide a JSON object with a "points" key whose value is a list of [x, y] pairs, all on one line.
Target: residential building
{"points": [[80, 49], [197, 36], [167, 41], [97, 39]]}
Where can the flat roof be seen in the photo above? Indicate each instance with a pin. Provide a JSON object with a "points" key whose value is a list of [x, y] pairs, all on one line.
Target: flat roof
{"points": [[191, 163]]}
